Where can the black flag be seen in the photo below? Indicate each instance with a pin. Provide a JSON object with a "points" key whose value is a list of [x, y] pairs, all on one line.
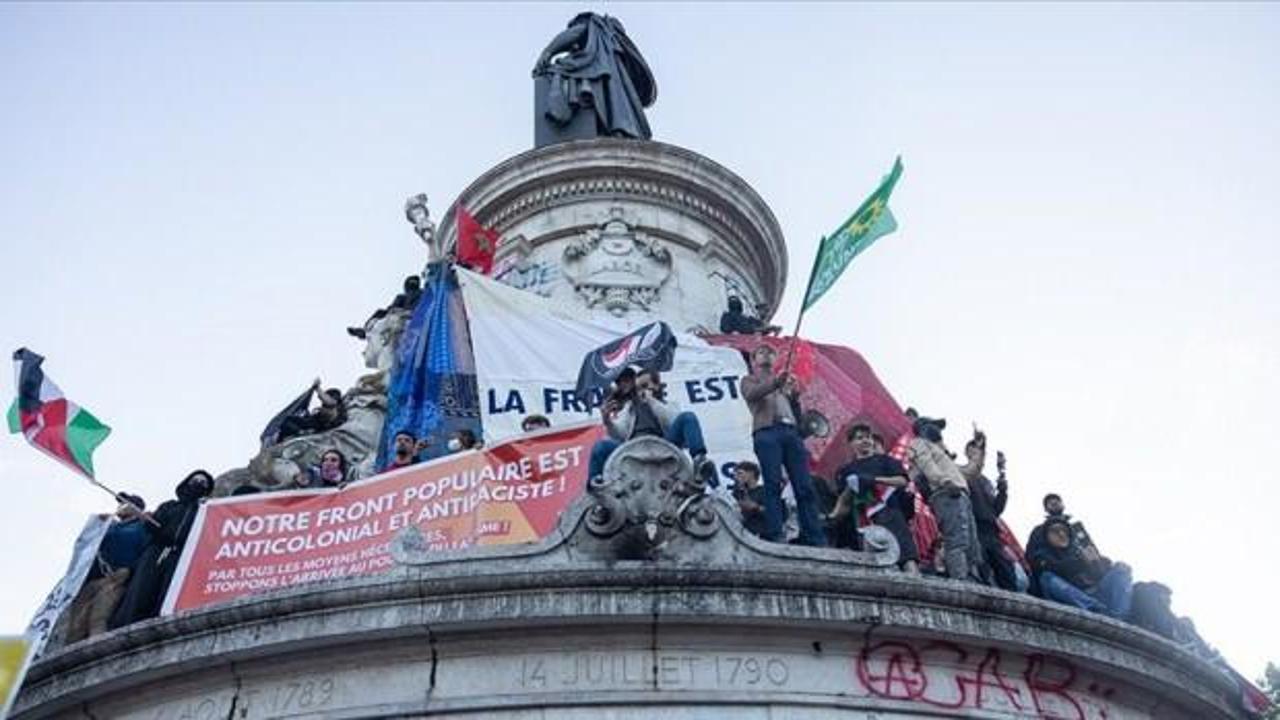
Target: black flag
{"points": [[651, 347], [297, 408]]}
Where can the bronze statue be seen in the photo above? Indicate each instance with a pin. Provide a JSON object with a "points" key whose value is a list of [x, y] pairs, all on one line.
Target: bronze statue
{"points": [[591, 81]]}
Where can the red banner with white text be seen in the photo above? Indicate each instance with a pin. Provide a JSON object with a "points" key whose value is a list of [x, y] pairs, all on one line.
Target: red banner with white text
{"points": [[510, 493]]}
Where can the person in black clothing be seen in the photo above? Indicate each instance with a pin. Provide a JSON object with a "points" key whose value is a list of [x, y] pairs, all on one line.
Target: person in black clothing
{"points": [[1078, 575], [749, 492], [406, 301], [734, 321], [331, 414], [988, 503], [878, 483], [154, 568]]}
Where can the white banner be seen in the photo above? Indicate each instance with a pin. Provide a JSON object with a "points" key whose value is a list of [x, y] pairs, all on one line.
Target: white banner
{"points": [[82, 558], [528, 356]]}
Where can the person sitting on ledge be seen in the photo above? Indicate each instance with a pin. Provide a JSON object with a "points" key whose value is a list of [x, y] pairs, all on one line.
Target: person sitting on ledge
{"points": [[404, 451], [636, 407], [734, 321], [328, 416], [1074, 573]]}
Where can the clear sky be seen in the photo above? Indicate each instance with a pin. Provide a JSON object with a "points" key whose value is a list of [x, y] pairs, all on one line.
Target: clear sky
{"points": [[195, 200]]}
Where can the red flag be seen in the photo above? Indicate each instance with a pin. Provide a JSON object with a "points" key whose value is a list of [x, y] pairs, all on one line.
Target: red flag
{"points": [[476, 243]]}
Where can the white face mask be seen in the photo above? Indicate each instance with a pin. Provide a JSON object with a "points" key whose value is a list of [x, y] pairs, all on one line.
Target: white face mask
{"points": [[454, 444]]}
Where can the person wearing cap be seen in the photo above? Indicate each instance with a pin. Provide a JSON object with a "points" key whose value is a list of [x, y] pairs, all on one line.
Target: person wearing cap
{"points": [[777, 443], [108, 577], [948, 495]]}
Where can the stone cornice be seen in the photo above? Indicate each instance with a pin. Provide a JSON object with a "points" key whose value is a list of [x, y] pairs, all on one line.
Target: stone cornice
{"points": [[562, 583], [651, 172]]}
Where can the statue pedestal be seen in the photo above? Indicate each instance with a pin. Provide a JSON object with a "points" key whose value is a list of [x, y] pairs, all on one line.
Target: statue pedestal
{"points": [[624, 232], [581, 126]]}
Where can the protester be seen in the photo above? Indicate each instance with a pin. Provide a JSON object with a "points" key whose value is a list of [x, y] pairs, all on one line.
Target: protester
{"points": [[778, 443], [988, 503], [636, 406], [734, 321], [463, 439], [405, 451], [406, 301], [948, 496], [533, 423], [1053, 508], [331, 472], [108, 577], [328, 416], [749, 494], [876, 485], [1076, 574], [154, 568]]}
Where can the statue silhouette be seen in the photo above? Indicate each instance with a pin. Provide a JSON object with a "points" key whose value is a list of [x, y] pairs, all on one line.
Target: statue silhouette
{"points": [[591, 81]]}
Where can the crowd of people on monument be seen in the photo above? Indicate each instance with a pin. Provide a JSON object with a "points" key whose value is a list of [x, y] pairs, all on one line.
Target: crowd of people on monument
{"points": [[776, 495]]}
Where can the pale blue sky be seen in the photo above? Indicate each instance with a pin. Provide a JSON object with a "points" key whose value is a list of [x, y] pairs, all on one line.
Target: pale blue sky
{"points": [[196, 199]]}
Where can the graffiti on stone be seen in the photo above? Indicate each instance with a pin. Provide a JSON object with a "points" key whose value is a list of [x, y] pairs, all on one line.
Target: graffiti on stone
{"points": [[945, 675]]}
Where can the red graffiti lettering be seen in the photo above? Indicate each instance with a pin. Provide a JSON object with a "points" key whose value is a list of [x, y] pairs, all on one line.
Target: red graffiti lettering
{"points": [[1047, 678], [955, 656], [963, 679], [988, 676], [901, 678]]}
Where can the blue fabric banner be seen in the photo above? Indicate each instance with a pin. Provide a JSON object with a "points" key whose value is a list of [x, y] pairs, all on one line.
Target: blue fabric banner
{"points": [[433, 392]]}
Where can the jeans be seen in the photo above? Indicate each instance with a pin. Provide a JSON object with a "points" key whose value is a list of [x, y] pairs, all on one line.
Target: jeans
{"points": [[685, 433], [961, 550], [1112, 597], [776, 446]]}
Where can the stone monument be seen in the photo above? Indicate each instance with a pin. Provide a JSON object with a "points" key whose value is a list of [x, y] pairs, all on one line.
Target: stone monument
{"points": [[649, 598]]}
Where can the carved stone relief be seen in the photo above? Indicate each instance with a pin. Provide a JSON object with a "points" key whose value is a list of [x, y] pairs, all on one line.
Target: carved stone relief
{"points": [[616, 268]]}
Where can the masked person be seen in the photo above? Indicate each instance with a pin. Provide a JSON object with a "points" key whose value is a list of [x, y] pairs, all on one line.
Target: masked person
{"points": [[777, 444], [636, 407], [463, 440], [155, 567], [948, 494], [735, 321]]}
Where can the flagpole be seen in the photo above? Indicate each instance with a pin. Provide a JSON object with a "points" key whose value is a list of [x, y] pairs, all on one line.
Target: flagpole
{"points": [[795, 334], [120, 498]]}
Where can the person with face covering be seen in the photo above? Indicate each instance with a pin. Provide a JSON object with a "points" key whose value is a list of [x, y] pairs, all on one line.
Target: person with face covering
{"points": [[159, 559], [734, 321]]}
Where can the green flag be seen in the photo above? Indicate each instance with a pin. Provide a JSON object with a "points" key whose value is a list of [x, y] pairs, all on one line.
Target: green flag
{"points": [[871, 221]]}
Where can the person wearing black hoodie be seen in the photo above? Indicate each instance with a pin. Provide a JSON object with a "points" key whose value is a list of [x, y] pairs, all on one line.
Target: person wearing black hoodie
{"points": [[1072, 572], [154, 569]]}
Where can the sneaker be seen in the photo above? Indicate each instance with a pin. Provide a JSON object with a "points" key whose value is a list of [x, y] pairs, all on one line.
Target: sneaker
{"points": [[705, 470]]}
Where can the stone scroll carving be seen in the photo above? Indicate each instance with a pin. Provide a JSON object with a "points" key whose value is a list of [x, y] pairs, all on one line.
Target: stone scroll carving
{"points": [[647, 495], [616, 268]]}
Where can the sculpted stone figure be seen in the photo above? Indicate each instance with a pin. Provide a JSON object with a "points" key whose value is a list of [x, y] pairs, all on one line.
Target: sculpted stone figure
{"points": [[281, 466], [417, 213], [592, 81]]}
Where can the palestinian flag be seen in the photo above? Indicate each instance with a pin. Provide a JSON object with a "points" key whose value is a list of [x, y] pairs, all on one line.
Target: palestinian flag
{"points": [[51, 422]]}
